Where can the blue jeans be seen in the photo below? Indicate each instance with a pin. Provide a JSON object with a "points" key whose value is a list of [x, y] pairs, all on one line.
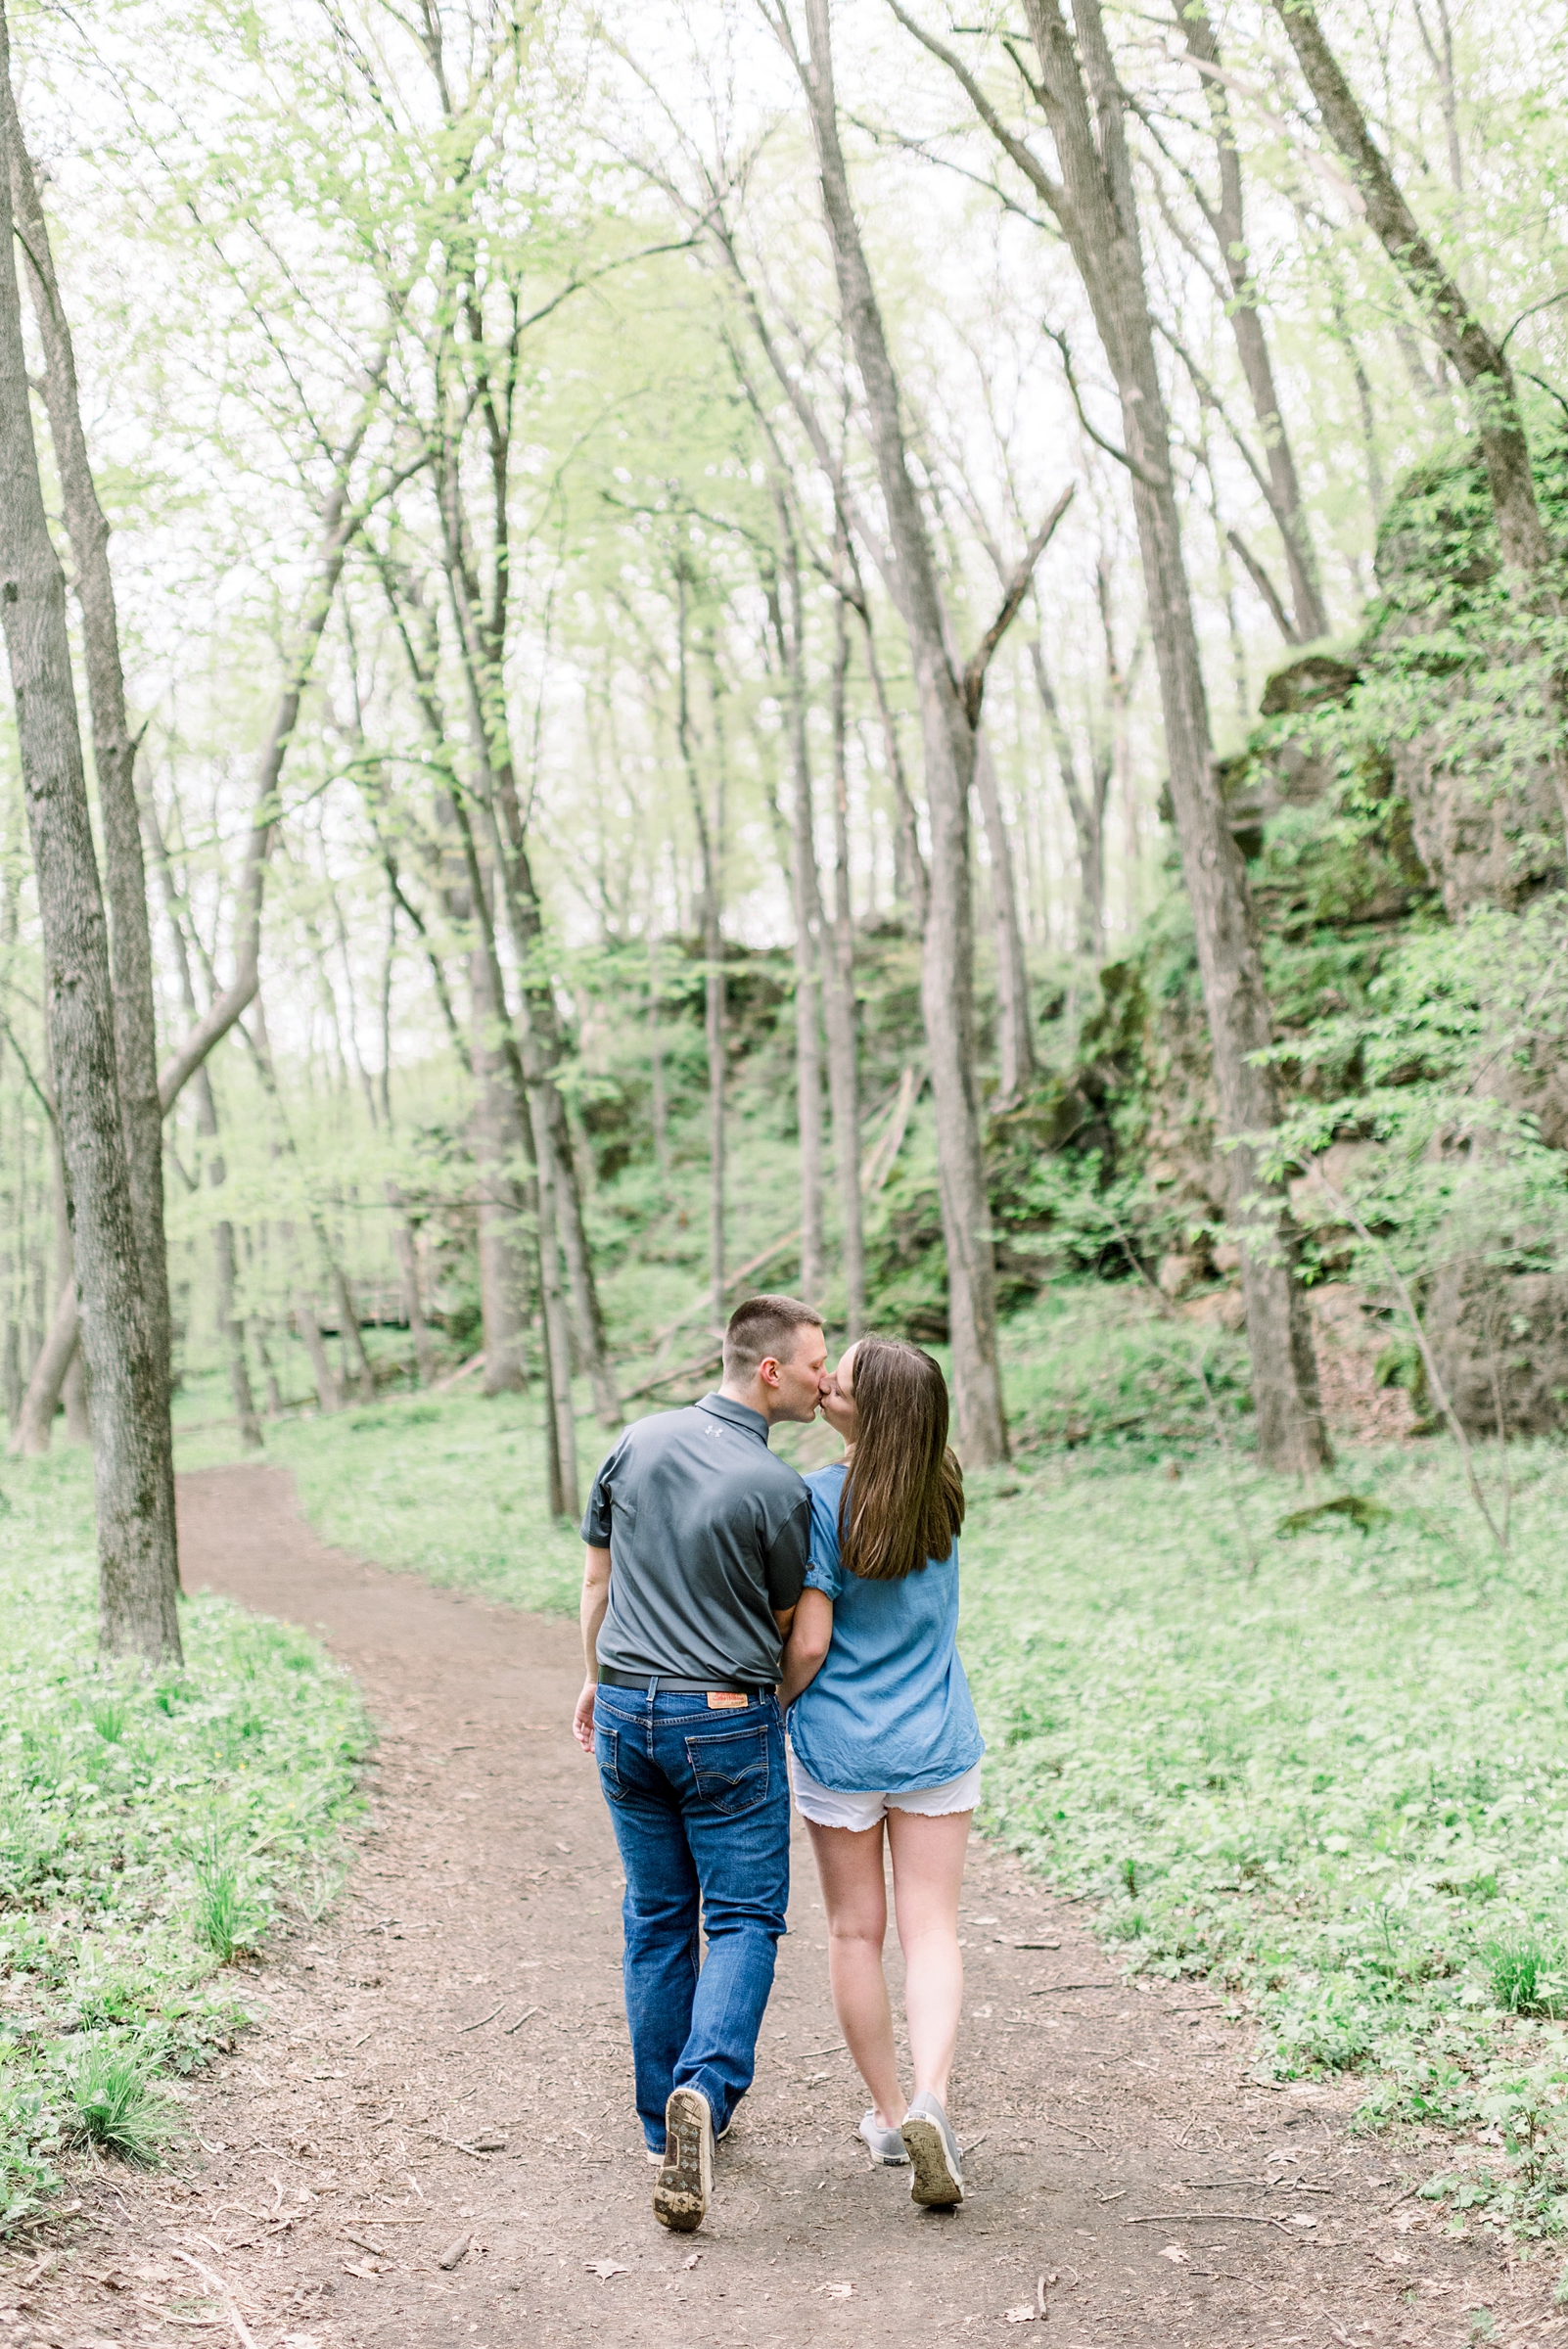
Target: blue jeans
{"points": [[701, 1806]]}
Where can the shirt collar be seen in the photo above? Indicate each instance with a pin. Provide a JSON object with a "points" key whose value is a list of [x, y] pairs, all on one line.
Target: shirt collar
{"points": [[739, 1414]]}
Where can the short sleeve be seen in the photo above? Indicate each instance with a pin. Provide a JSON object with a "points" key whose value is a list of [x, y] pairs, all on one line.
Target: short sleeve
{"points": [[596, 1516], [824, 1573], [786, 1558]]}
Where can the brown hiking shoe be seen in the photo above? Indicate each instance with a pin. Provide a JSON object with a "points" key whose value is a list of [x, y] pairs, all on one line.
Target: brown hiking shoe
{"points": [[685, 2184]]}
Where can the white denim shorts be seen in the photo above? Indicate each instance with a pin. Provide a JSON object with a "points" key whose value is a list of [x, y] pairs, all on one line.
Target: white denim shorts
{"points": [[828, 1806]]}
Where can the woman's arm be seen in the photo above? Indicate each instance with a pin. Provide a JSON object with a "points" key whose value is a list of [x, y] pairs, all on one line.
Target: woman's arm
{"points": [[811, 1636]]}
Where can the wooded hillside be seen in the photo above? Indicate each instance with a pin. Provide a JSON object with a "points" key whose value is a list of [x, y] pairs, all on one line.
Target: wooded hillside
{"points": [[773, 646]]}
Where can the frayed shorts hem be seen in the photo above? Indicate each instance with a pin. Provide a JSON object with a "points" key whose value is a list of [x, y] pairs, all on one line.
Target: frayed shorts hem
{"points": [[832, 1807]]}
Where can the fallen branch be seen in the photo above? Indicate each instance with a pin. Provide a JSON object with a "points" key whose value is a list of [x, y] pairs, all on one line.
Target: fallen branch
{"points": [[455, 2143], [1183, 2218], [479, 2025], [663, 1378], [242, 2332], [1051, 1990]]}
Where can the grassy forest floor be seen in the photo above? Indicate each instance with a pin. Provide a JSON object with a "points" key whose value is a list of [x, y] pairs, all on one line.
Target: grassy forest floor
{"points": [[150, 1830]]}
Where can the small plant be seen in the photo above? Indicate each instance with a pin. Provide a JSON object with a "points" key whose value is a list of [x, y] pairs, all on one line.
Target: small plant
{"points": [[1520, 1973], [1129, 1877], [227, 1916], [115, 2106], [110, 1717]]}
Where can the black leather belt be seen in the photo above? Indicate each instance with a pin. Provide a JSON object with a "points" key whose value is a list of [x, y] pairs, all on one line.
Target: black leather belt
{"points": [[668, 1683]]}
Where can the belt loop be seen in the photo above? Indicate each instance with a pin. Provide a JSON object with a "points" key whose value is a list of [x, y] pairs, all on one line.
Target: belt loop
{"points": [[653, 1691]]}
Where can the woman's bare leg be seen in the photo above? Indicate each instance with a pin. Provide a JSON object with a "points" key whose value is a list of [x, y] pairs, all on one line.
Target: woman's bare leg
{"points": [[855, 1899], [927, 1873]]}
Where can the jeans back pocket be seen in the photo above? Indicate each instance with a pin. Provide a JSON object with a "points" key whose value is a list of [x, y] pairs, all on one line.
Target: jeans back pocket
{"points": [[606, 1754], [731, 1768]]}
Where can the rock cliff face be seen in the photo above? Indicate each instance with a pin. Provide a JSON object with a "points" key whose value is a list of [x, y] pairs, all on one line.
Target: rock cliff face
{"points": [[1395, 781]]}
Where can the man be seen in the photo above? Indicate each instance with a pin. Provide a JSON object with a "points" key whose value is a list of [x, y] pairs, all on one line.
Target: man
{"points": [[697, 1552]]}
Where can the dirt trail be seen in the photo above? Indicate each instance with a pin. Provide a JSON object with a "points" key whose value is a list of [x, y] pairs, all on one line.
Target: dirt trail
{"points": [[465, 1994]]}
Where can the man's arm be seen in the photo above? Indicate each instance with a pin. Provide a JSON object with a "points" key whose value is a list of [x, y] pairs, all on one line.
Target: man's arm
{"points": [[810, 1637], [591, 1614]]}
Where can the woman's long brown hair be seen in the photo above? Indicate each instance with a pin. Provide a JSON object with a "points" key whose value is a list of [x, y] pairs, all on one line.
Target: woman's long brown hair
{"points": [[902, 1501]]}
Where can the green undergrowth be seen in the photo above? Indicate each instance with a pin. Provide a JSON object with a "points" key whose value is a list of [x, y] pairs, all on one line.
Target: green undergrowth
{"points": [[151, 1827], [1092, 1370], [1335, 1783]]}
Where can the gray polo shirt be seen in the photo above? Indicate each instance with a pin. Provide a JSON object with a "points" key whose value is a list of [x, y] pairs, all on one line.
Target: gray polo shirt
{"points": [[707, 1534]]}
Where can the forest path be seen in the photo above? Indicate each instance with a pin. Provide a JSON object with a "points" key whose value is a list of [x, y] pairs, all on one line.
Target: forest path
{"points": [[465, 1991]]}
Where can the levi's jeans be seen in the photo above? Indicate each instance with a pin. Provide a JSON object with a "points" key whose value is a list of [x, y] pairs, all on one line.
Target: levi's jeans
{"points": [[701, 1808]]}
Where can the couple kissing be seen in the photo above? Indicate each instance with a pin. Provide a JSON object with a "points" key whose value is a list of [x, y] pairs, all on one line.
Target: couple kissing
{"points": [[722, 1595]]}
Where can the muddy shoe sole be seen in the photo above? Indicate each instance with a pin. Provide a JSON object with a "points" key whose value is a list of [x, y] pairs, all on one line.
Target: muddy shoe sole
{"points": [[934, 2184], [685, 2184]]}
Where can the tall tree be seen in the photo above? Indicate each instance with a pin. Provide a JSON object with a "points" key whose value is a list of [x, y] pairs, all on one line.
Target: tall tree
{"points": [[114, 760], [1479, 361], [805, 891], [130, 1400], [1225, 214], [1095, 205], [949, 708], [843, 1016]]}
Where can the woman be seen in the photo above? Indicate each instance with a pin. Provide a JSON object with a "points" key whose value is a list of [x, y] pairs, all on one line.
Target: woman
{"points": [[884, 1738]]}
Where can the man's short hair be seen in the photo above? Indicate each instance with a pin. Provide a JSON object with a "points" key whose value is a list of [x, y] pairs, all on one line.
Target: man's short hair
{"points": [[761, 1326]]}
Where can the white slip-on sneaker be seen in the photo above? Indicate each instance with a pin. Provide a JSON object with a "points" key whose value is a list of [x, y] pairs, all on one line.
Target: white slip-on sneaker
{"points": [[685, 2184], [928, 2138], [886, 2146]]}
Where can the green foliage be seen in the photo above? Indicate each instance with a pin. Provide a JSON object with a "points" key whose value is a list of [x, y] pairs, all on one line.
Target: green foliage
{"points": [[116, 2105], [1092, 1370], [150, 1826], [1344, 1777]]}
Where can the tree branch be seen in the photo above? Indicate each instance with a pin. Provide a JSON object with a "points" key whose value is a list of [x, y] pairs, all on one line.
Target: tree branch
{"points": [[974, 678]]}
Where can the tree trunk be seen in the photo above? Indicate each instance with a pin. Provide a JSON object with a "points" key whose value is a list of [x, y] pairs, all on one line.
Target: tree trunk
{"points": [[807, 894], [353, 1337], [124, 881], [30, 1438], [949, 734], [843, 1019], [910, 880], [496, 1145], [329, 1394], [1228, 223], [656, 1060], [231, 1329], [407, 1251], [135, 1530], [268, 1372], [1096, 207], [1480, 363], [1015, 1034], [711, 853], [565, 1498], [73, 1386], [231, 1326], [1086, 810]]}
